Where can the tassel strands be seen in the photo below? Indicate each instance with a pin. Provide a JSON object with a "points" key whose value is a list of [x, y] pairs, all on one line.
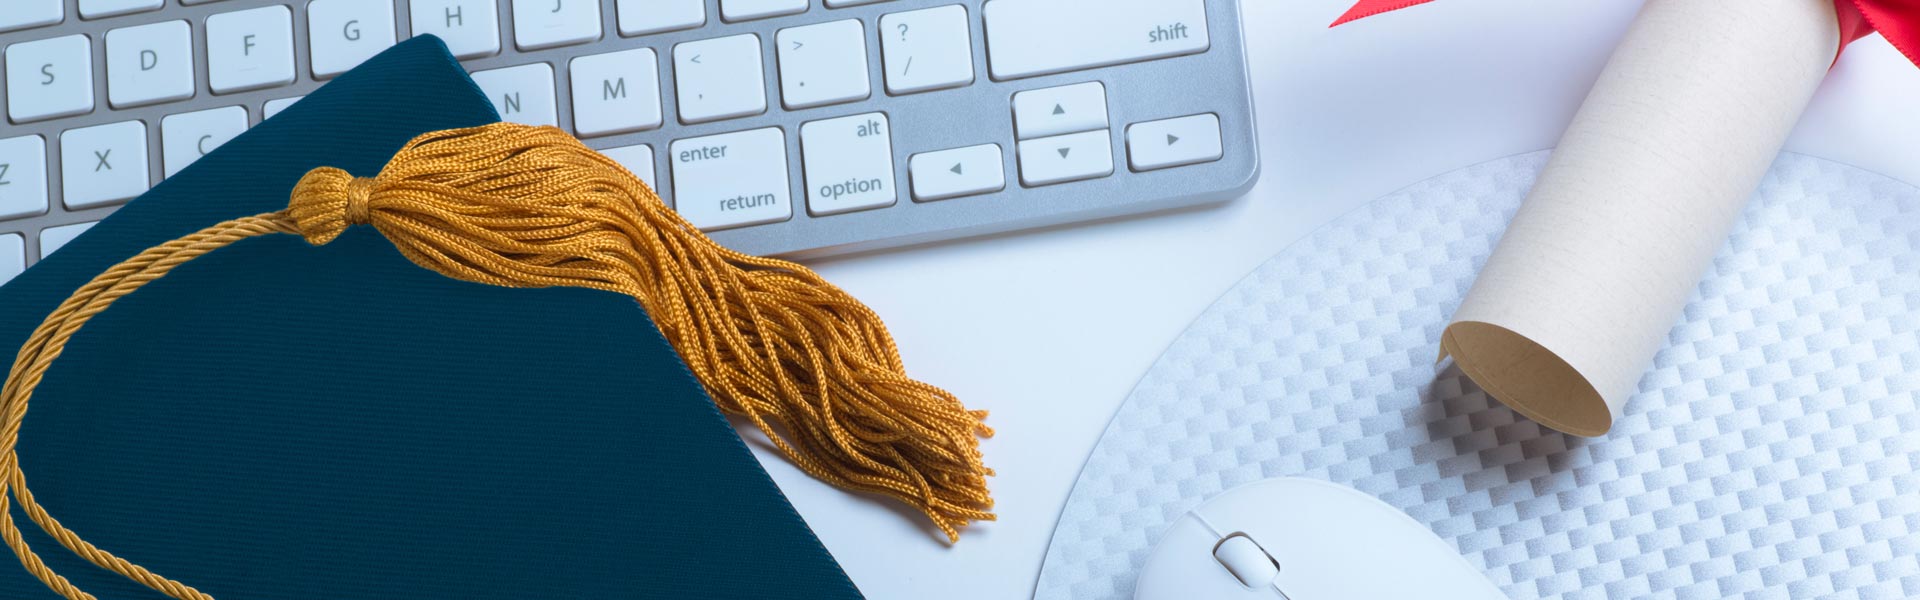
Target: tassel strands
{"points": [[517, 206]]}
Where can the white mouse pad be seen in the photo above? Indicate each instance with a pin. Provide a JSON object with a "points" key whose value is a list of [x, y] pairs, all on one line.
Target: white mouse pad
{"points": [[1771, 452]]}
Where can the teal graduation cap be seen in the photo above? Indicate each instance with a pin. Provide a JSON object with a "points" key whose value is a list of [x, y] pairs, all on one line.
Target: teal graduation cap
{"points": [[279, 420]]}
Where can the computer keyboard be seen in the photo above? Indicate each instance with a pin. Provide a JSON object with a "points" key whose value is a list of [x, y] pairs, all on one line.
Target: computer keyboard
{"points": [[789, 127]]}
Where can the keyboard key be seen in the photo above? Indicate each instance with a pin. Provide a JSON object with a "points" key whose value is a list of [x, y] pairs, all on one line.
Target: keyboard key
{"points": [[720, 78], [276, 105], [823, 64], [732, 179], [615, 92], [54, 238], [638, 159], [94, 9], [13, 256], [22, 14], [342, 33], [741, 10], [1064, 158], [641, 17], [1025, 37], [957, 172], [1056, 110], [547, 23], [149, 64], [186, 137], [249, 49], [103, 164], [1173, 142], [49, 78], [846, 3], [522, 94], [470, 28], [848, 163], [23, 176], [929, 49]]}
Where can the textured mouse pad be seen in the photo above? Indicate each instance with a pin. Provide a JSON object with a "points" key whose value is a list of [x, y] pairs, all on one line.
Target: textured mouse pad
{"points": [[1770, 452]]}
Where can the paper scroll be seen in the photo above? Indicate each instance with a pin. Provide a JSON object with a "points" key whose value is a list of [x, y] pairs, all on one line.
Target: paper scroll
{"points": [[1600, 259]]}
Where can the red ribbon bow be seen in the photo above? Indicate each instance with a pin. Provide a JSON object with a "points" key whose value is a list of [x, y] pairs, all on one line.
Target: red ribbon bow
{"points": [[1896, 20]]}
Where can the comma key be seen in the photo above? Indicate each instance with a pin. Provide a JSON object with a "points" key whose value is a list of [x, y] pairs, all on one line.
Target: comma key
{"points": [[732, 179]]}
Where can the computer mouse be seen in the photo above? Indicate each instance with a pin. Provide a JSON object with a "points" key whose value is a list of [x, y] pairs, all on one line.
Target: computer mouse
{"points": [[1305, 539]]}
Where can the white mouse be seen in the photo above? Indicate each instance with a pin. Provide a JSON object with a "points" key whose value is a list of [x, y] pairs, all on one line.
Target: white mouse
{"points": [[1305, 539]]}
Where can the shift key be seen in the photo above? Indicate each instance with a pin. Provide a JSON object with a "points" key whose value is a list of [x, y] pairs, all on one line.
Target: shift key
{"points": [[1026, 38], [732, 179]]}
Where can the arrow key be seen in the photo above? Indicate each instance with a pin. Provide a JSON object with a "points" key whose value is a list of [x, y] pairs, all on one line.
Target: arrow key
{"points": [[1057, 110], [1063, 158], [958, 172], [1173, 142]]}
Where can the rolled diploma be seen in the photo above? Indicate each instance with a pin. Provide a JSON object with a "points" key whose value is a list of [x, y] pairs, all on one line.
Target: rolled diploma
{"points": [[1639, 195]]}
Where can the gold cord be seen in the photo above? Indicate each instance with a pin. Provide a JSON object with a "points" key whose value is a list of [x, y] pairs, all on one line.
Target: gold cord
{"points": [[516, 206]]}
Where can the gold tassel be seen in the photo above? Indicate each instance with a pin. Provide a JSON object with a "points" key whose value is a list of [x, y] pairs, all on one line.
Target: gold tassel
{"points": [[518, 206]]}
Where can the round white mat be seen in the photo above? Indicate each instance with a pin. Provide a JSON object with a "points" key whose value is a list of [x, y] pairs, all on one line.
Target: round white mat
{"points": [[1770, 453]]}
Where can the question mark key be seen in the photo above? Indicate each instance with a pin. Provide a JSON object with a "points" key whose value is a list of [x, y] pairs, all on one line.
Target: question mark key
{"points": [[927, 49]]}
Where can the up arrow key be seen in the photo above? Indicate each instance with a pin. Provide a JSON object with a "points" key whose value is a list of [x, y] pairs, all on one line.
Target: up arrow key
{"points": [[1060, 110]]}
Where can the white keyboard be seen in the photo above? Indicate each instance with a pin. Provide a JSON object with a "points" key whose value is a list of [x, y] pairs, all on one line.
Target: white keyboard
{"points": [[797, 127]]}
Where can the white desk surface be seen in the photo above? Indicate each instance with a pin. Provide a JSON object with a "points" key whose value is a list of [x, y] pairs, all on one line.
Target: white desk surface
{"points": [[1051, 329]]}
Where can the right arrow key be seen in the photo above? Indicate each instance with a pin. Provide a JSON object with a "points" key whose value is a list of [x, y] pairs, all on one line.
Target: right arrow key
{"points": [[1173, 142]]}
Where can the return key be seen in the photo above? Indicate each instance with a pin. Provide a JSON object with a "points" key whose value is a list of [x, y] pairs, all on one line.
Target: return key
{"points": [[731, 179]]}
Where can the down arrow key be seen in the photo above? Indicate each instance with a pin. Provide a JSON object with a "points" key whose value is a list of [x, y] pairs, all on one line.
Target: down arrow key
{"points": [[1070, 157]]}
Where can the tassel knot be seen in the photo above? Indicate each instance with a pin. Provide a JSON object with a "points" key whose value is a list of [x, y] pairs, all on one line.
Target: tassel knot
{"points": [[328, 200]]}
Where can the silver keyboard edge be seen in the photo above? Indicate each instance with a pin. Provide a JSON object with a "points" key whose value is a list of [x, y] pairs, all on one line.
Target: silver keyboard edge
{"points": [[922, 122]]}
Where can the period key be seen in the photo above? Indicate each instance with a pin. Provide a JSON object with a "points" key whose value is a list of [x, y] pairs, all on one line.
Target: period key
{"points": [[731, 179]]}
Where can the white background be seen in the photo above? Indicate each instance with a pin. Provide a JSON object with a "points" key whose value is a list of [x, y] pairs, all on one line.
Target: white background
{"points": [[1051, 329]]}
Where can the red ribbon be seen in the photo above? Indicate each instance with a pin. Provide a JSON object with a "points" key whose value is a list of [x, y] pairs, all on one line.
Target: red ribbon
{"points": [[1896, 20]]}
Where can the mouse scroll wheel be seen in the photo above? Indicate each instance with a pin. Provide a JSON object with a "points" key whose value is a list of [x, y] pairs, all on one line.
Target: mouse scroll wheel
{"points": [[1247, 561]]}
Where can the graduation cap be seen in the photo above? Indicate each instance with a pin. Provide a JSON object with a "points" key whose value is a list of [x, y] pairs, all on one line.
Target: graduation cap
{"points": [[300, 408]]}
